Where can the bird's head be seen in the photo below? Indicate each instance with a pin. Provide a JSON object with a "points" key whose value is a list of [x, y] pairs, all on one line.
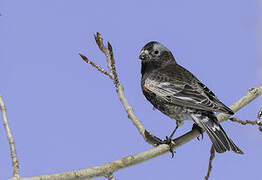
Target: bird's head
{"points": [[155, 52]]}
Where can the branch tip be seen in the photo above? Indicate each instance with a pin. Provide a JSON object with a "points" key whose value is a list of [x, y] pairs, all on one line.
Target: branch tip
{"points": [[95, 66], [110, 47], [82, 56], [99, 42], [98, 35]]}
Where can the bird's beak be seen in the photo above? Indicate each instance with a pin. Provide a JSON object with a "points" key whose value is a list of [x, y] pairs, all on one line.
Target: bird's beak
{"points": [[144, 55]]}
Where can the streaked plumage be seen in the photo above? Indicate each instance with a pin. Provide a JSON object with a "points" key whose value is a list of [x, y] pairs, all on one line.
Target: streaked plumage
{"points": [[180, 95]]}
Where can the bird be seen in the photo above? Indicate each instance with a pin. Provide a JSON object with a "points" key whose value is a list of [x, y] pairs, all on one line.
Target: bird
{"points": [[177, 93]]}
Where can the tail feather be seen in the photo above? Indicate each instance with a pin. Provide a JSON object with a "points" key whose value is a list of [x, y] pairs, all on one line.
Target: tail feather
{"points": [[216, 133]]}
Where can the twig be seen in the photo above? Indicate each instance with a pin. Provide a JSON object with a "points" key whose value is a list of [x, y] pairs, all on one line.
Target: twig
{"points": [[113, 65], [254, 122], [100, 43], [212, 156], [10, 139], [243, 122], [95, 66], [108, 51], [130, 112]]}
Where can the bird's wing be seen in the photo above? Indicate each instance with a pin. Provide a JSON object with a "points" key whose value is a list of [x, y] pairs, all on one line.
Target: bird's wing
{"points": [[177, 86]]}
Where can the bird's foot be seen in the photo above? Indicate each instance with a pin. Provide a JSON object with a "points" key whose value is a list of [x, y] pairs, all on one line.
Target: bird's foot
{"points": [[195, 126], [157, 141], [171, 144]]}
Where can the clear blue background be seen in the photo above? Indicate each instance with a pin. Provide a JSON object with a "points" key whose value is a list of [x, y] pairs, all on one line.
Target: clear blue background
{"points": [[65, 115]]}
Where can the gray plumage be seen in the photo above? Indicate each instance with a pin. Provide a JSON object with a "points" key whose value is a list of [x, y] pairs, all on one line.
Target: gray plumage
{"points": [[177, 93]]}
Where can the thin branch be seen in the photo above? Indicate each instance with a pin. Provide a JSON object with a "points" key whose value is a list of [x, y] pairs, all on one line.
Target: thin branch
{"points": [[255, 122], [108, 51], [10, 139], [233, 119], [113, 65], [99, 68], [211, 158], [100, 43], [111, 167], [130, 112]]}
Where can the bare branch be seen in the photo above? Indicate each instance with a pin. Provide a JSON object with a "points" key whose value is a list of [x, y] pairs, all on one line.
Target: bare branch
{"points": [[255, 122], [130, 111], [233, 119], [99, 42], [10, 139], [113, 65], [107, 168], [99, 68], [212, 156], [108, 51]]}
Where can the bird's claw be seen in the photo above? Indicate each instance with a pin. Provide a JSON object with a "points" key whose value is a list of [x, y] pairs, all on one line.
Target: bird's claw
{"points": [[171, 144], [157, 141], [202, 137]]}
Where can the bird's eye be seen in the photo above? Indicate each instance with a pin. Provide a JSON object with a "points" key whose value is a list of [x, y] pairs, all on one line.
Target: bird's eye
{"points": [[156, 52]]}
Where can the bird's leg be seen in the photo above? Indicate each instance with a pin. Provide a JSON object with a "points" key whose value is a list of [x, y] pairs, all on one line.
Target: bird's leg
{"points": [[169, 141], [172, 134], [195, 126]]}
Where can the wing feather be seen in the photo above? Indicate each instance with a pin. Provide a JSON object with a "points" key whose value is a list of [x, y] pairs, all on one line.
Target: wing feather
{"points": [[177, 86]]}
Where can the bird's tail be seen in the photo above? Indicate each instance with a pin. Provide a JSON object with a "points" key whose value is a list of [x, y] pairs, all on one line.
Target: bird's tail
{"points": [[216, 133]]}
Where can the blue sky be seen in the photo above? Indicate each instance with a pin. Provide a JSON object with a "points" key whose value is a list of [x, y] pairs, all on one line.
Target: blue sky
{"points": [[65, 115]]}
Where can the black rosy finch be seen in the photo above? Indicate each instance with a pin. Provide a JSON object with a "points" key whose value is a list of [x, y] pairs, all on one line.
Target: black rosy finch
{"points": [[177, 93]]}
